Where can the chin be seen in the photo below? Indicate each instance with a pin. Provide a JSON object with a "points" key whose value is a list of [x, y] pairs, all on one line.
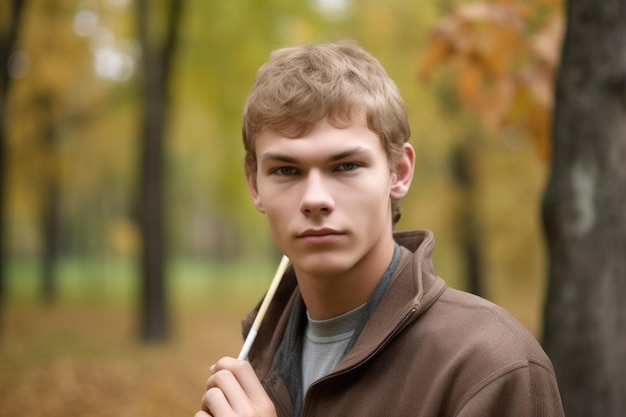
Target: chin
{"points": [[328, 264]]}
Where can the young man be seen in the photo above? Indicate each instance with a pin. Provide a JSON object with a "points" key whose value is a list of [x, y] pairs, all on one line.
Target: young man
{"points": [[360, 325]]}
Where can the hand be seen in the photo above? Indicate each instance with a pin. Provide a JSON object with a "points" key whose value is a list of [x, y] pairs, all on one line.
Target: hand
{"points": [[233, 390]]}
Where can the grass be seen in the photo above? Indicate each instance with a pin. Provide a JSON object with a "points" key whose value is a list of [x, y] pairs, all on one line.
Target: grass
{"points": [[190, 283], [82, 356]]}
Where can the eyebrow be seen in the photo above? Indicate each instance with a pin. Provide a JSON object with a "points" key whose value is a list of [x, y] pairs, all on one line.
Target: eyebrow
{"points": [[275, 156], [356, 151], [279, 157]]}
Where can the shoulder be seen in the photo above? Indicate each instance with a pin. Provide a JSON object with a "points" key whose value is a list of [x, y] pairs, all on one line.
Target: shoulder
{"points": [[483, 329], [483, 354]]}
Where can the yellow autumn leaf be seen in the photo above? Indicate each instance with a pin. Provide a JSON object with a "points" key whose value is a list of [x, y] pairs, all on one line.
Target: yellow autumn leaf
{"points": [[468, 82], [539, 127], [438, 50], [496, 103]]}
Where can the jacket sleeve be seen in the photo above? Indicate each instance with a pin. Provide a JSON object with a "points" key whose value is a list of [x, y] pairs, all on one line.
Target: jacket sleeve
{"points": [[526, 391]]}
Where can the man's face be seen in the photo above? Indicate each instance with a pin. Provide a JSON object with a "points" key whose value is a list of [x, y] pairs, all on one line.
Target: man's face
{"points": [[327, 195]]}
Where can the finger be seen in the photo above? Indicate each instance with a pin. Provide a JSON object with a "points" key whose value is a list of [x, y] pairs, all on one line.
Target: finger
{"points": [[231, 390], [245, 376], [216, 403], [202, 414]]}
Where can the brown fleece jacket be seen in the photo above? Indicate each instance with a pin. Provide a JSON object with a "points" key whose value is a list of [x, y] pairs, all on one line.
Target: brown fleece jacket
{"points": [[426, 350]]}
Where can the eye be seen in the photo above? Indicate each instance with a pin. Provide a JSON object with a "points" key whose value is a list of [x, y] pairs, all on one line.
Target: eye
{"points": [[348, 166], [284, 171]]}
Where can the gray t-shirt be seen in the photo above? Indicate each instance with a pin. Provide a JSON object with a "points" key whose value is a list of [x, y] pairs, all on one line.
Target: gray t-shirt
{"points": [[325, 343]]}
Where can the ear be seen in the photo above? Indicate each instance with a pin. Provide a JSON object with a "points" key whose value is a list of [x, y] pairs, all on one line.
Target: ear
{"points": [[256, 199], [403, 173]]}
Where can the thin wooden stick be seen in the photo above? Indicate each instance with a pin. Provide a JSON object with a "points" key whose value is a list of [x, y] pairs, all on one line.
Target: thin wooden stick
{"points": [[282, 267]]}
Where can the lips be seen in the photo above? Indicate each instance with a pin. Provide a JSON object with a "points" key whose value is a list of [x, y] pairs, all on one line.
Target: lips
{"points": [[324, 235], [319, 232]]}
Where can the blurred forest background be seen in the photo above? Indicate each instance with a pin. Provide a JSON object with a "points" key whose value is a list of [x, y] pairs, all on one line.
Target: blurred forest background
{"points": [[72, 151]]}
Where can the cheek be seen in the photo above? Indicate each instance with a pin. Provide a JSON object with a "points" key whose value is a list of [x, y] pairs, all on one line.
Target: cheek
{"points": [[278, 224], [376, 192], [370, 202], [378, 201], [266, 198], [277, 207]]}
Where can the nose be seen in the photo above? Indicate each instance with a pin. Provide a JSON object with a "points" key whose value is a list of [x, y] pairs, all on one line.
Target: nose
{"points": [[316, 195]]}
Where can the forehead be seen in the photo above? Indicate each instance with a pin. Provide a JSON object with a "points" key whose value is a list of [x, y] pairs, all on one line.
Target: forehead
{"points": [[325, 139]]}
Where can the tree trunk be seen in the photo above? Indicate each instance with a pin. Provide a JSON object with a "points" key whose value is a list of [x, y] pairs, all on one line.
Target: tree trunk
{"points": [[50, 219], [7, 45], [50, 241], [156, 74], [584, 213], [467, 219]]}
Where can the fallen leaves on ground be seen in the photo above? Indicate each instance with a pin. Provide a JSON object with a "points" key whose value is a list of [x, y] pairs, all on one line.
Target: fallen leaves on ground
{"points": [[85, 361]]}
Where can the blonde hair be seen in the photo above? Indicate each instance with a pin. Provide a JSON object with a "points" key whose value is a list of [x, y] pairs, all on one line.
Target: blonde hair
{"points": [[299, 86]]}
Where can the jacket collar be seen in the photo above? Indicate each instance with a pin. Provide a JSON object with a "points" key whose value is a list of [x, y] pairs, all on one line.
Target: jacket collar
{"points": [[412, 290]]}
